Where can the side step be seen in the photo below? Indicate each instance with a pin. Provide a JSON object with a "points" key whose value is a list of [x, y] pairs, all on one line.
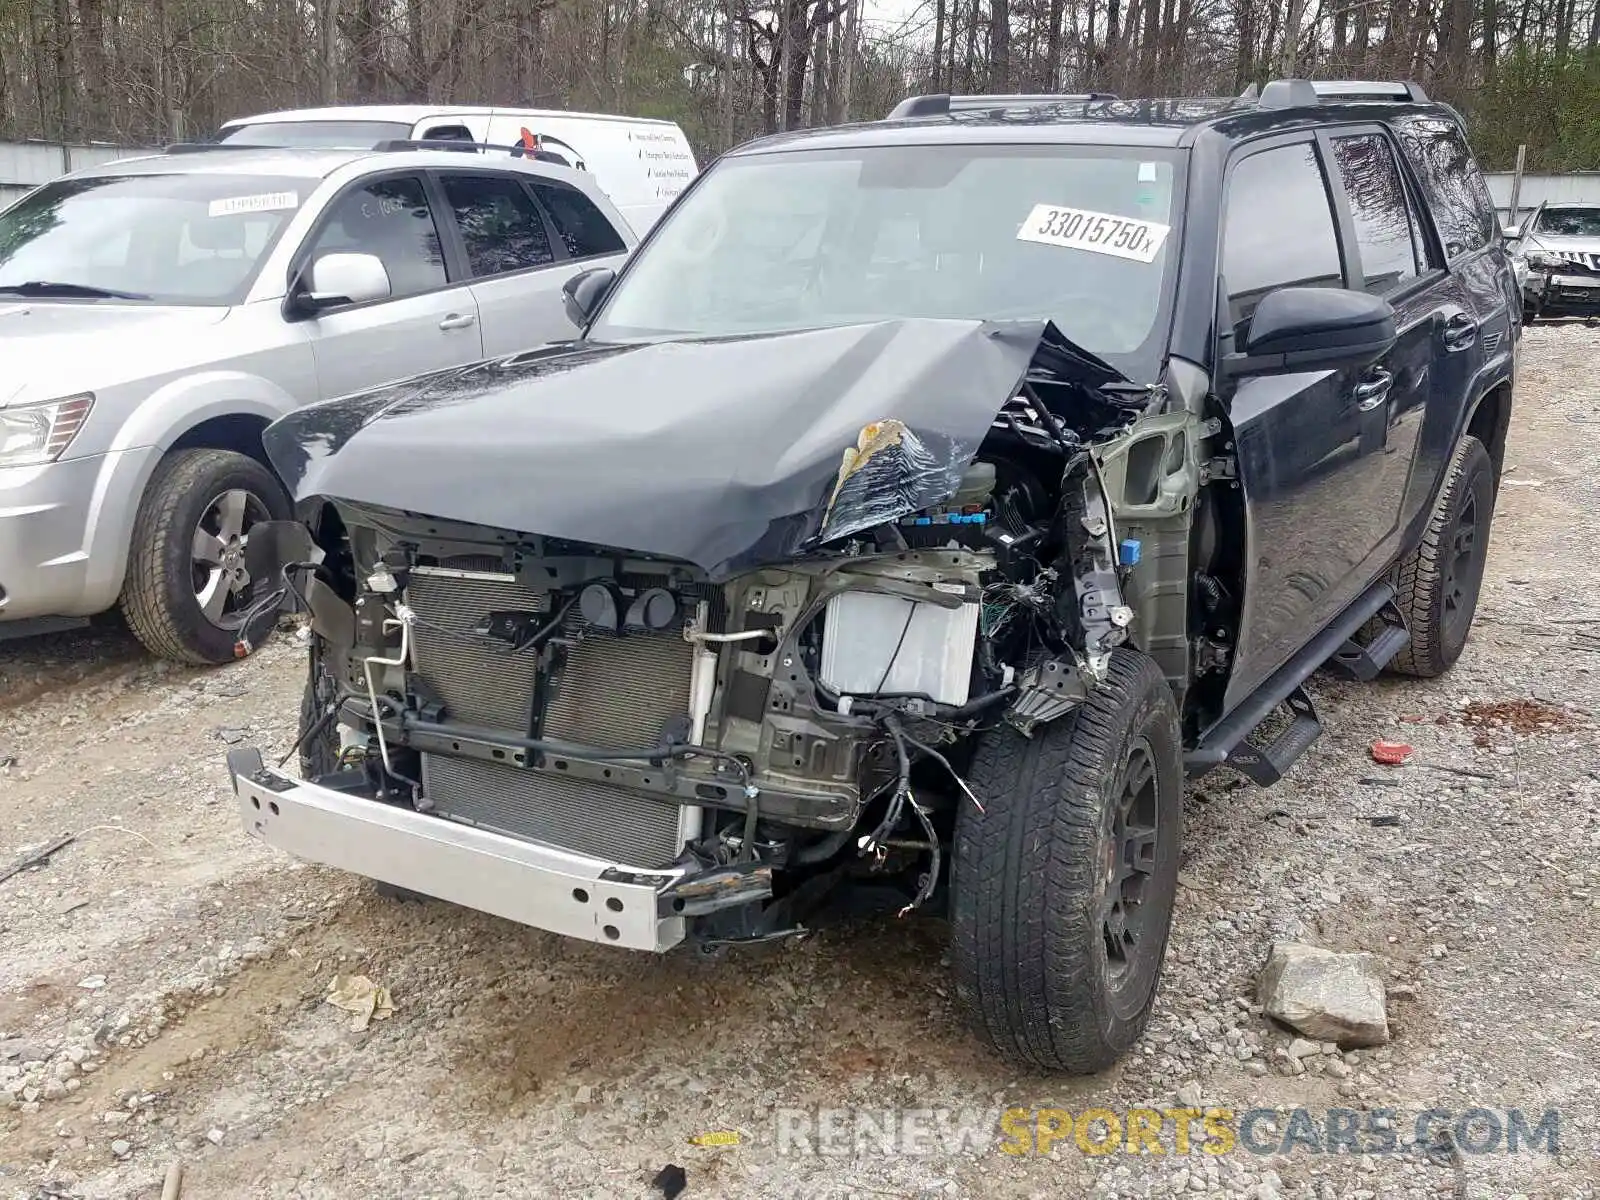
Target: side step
{"points": [[1365, 661], [1224, 742], [1266, 766]]}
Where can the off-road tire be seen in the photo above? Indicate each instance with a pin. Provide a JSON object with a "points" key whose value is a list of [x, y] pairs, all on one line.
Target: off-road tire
{"points": [[1029, 947], [158, 600], [1438, 636]]}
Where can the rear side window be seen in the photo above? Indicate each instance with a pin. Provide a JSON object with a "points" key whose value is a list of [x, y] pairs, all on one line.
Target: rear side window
{"points": [[1454, 188], [499, 224], [1279, 228], [582, 226], [1378, 208]]}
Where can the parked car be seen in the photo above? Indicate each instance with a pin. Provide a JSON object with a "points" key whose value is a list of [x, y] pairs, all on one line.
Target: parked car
{"points": [[642, 164], [158, 313], [921, 503], [1558, 261]]}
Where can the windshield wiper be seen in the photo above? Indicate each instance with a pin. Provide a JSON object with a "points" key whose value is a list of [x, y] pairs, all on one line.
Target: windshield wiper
{"points": [[82, 291]]}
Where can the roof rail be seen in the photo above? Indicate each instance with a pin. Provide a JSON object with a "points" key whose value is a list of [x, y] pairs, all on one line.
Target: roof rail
{"points": [[943, 105], [1307, 93], [515, 149], [203, 147]]}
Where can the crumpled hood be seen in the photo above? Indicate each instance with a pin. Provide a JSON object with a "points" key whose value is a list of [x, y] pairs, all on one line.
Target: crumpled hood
{"points": [[723, 453], [51, 348]]}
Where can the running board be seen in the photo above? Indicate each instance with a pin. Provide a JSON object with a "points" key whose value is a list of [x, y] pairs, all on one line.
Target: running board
{"points": [[1225, 742], [1365, 661]]}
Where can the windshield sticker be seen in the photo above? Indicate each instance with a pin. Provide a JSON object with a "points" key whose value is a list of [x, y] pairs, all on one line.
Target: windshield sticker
{"points": [[1097, 232], [233, 206]]}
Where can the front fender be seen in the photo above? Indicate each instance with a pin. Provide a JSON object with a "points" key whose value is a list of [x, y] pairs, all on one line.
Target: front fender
{"points": [[179, 406]]}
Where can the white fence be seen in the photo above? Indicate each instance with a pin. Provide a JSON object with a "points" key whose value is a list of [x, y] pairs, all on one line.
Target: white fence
{"points": [[25, 165]]}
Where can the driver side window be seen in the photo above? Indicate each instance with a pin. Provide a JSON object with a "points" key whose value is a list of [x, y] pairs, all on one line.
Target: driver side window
{"points": [[1279, 229], [390, 219]]}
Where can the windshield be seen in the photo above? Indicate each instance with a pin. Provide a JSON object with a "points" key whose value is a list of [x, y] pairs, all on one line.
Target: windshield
{"points": [[1570, 222], [340, 135], [172, 239], [804, 239]]}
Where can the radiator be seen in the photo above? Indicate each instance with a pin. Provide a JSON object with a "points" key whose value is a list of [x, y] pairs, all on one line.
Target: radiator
{"points": [[612, 692], [557, 810]]}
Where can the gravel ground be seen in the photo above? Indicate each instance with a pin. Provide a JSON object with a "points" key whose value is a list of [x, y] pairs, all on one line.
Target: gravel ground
{"points": [[162, 978]]}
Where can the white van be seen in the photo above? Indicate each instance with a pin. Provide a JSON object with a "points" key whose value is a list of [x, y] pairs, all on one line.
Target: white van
{"points": [[640, 164]]}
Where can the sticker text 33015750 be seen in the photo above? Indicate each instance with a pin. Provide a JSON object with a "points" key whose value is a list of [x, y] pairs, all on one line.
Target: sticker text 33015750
{"points": [[1097, 232]]}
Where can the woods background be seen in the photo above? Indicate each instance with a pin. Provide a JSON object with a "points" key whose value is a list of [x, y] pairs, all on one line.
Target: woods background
{"points": [[146, 71]]}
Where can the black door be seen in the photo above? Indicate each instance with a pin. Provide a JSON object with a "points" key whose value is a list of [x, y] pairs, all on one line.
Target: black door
{"points": [[1388, 244], [1322, 491]]}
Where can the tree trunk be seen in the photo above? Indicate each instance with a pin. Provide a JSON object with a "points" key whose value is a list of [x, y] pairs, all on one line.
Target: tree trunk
{"points": [[66, 72], [851, 47], [1289, 60], [328, 51], [938, 42], [999, 46], [1052, 49]]}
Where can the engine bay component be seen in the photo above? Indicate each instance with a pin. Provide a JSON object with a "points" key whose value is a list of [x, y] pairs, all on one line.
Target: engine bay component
{"points": [[875, 644]]}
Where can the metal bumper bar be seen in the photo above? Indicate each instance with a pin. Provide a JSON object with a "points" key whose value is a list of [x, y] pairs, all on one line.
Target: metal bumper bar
{"points": [[531, 884]]}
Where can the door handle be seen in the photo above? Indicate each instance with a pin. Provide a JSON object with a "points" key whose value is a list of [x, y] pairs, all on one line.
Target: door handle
{"points": [[1373, 390], [1460, 332], [458, 321]]}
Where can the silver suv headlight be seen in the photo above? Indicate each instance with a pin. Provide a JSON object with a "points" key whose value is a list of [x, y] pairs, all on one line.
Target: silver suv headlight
{"points": [[34, 434]]}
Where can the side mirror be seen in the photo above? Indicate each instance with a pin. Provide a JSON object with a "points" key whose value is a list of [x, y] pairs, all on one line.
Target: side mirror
{"points": [[1313, 328], [584, 292], [1512, 233], [334, 280]]}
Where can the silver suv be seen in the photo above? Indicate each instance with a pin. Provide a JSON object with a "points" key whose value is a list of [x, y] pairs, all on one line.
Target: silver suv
{"points": [[158, 313]]}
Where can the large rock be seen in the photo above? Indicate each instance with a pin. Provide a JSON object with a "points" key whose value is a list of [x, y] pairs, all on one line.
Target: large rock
{"points": [[1325, 995]]}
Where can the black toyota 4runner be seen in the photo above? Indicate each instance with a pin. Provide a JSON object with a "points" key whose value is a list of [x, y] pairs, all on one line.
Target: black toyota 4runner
{"points": [[921, 504]]}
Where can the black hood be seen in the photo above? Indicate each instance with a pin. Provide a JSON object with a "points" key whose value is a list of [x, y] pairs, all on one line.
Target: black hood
{"points": [[724, 453]]}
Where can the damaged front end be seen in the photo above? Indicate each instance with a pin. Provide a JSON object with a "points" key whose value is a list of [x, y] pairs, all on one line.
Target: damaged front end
{"points": [[691, 674]]}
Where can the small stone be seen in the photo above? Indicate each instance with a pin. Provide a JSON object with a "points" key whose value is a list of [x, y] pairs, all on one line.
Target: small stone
{"points": [[1325, 995], [215, 1136], [1189, 1096], [584, 1094], [115, 1116], [121, 1148], [1300, 1048], [92, 982]]}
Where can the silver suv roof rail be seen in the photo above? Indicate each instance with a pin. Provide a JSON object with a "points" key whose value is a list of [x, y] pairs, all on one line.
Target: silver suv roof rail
{"points": [[1307, 93], [943, 105]]}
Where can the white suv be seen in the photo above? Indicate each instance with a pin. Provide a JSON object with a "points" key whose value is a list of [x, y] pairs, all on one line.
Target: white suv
{"points": [[156, 314]]}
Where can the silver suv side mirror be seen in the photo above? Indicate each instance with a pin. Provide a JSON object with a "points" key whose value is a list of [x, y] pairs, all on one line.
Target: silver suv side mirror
{"points": [[334, 280]]}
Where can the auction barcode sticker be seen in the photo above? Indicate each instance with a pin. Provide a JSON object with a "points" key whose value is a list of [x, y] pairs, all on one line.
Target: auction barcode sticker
{"points": [[1097, 232], [233, 206]]}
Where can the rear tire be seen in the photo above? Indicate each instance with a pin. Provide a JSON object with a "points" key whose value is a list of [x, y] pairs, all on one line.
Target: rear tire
{"points": [[1441, 578], [1063, 888], [198, 502]]}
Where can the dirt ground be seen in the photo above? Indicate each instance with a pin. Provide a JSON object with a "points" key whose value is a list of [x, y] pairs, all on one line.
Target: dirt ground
{"points": [[162, 977]]}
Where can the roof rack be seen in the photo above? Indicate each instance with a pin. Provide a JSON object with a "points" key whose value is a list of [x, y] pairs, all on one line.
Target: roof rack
{"points": [[203, 147], [943, 105], [515, 149], [1307, 93]]}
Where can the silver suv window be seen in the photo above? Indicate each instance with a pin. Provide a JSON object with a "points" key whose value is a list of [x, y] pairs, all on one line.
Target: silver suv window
{"points": [[172, 239], [391, 219]]}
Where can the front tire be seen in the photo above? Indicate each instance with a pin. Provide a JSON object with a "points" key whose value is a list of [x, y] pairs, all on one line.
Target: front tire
{"points": [[187, 588], [1063, 888], [1441, 578]]}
